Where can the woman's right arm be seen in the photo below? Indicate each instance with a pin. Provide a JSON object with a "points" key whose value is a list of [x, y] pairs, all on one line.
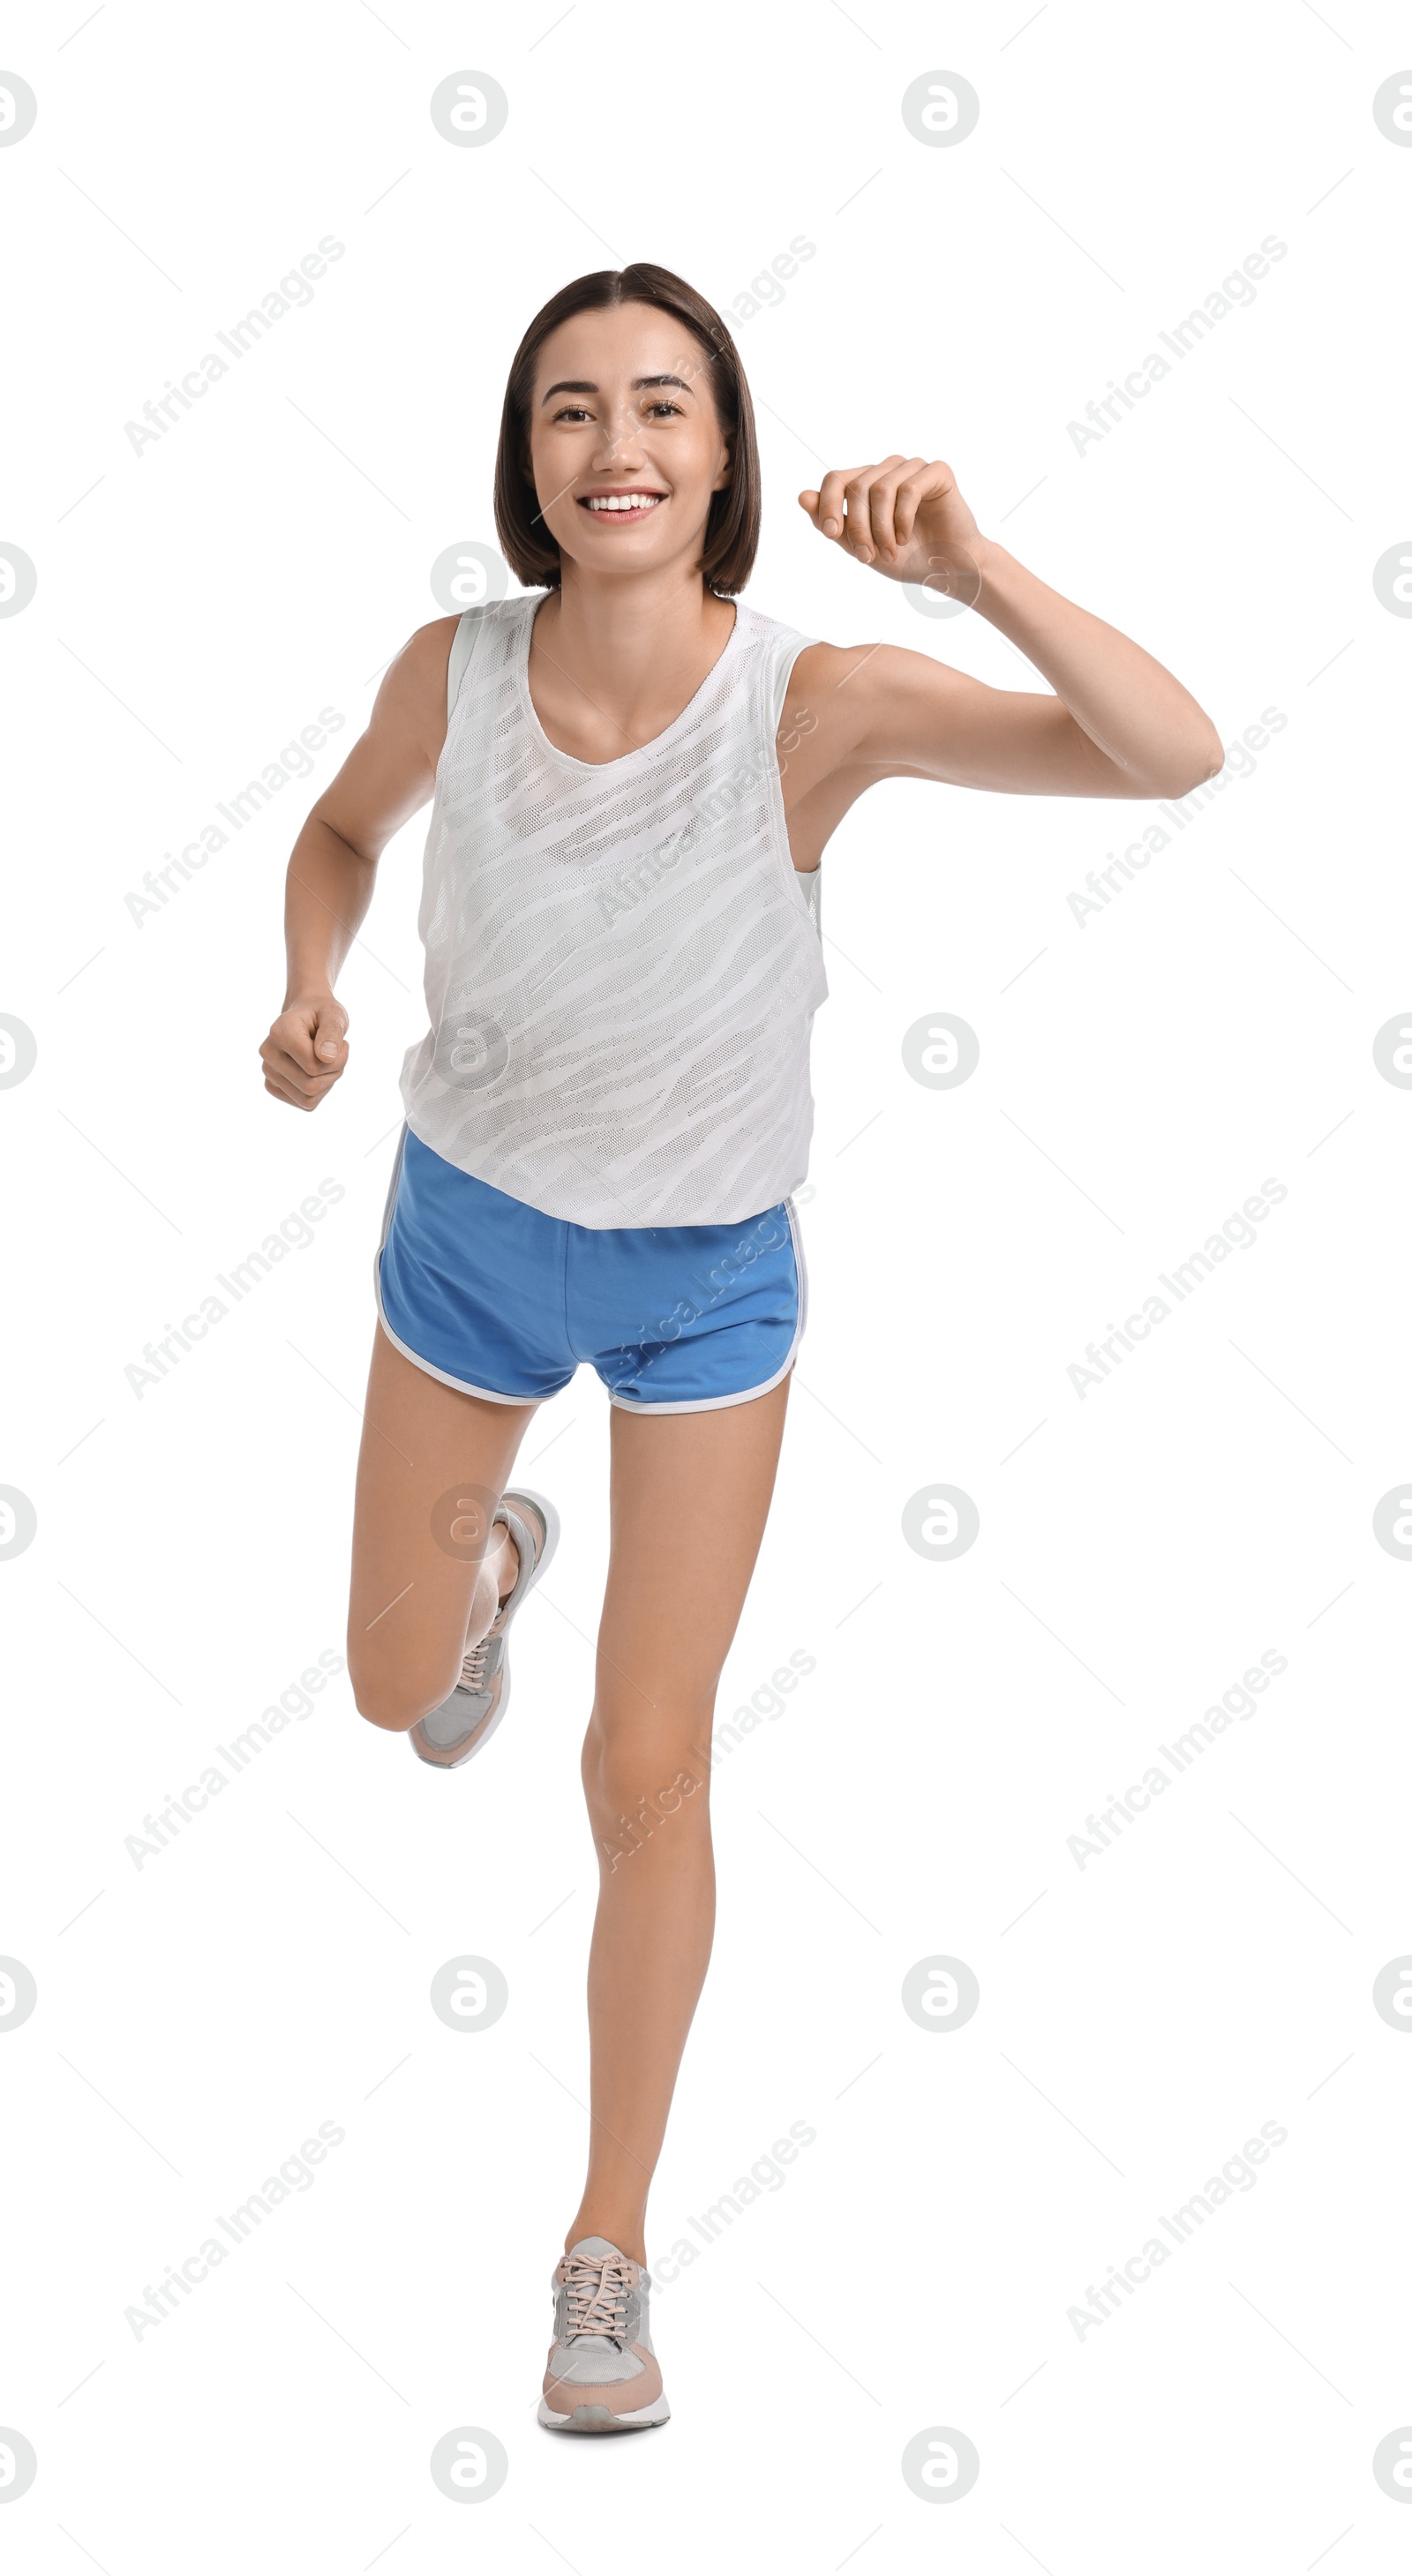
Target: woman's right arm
{"points": [[388, 774]]}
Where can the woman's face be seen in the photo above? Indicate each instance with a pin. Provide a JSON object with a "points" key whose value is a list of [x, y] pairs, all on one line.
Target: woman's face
{"points": [[625, 447]]}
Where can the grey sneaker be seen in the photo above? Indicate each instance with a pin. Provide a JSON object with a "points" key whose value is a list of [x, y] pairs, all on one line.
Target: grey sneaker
{"points": [[603, 2375], [467, 1719]]}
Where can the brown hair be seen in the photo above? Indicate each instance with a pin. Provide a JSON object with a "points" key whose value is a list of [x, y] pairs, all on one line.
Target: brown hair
{"points": [[733, 522]]}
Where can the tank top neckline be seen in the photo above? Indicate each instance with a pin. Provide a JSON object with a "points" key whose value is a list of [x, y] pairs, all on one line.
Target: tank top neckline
{"points": [[641, 750]]}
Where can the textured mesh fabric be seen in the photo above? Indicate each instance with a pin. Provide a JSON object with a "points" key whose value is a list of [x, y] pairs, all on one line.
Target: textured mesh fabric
{"points": [[622, 968]]}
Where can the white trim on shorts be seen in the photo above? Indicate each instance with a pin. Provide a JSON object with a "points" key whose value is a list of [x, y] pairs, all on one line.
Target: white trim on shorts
{"points": [[491, 1395], [462, 1385], [747, 1395], [487, 1394]]}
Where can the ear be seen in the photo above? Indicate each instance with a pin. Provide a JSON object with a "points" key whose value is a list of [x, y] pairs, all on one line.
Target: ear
{"points": [[724, 476]]}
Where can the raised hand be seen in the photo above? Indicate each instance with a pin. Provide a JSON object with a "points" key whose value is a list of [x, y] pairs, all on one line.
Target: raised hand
{"points": [[904, 518]]}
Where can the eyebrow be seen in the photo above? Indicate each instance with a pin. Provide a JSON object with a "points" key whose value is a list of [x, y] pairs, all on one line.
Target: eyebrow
{"points": [[639, 385]]}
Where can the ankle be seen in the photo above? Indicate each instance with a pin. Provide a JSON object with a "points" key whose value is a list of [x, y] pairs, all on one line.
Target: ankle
{"points": [[626, 2233]]}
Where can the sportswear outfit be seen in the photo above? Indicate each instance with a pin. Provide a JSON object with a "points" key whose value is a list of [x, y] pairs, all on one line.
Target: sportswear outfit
{"points": [[604, 1126], [611, 1108]]}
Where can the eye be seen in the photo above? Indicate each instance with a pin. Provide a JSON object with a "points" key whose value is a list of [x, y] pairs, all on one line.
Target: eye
{"points": [[663, 405], [571, 411]]}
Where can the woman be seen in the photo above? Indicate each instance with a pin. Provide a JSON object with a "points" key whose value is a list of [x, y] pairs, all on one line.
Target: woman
{"points": [[634, 780]]}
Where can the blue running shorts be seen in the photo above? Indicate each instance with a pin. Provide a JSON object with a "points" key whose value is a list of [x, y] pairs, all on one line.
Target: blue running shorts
{"points": [[501, 1301]]}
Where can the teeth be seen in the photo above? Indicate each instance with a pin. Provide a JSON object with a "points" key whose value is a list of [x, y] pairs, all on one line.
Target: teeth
{"points": [[625, 501]]}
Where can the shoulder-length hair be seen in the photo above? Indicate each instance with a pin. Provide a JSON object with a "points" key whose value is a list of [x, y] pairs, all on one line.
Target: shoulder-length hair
{"points": [[733, 522]]}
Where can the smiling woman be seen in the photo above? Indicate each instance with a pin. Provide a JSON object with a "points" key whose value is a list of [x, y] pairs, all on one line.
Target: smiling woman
{"points": [[701, 384], [633, 776]]}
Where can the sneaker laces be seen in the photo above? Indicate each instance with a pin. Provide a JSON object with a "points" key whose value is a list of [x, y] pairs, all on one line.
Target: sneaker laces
{"points": [[599, 2288], [473, 1664]]}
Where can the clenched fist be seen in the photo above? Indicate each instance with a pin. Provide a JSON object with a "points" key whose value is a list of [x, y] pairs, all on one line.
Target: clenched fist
{"points": [[306, 1050]]}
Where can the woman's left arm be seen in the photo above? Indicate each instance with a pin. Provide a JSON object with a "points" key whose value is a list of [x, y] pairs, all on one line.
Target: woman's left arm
{"points": [[1119, 724]]}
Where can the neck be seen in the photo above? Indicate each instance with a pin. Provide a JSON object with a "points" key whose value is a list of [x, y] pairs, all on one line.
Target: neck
{"points": [[637, 643]]}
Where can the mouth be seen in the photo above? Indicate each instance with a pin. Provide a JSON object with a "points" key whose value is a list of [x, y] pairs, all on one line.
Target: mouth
{"points": [[622, 508]]}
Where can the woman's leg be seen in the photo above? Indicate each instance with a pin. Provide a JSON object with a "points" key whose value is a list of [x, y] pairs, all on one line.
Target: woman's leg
{"points": [[690, 1492], [428, 1569]]}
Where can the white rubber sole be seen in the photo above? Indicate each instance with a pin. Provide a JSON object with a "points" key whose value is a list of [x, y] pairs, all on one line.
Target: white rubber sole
{"points": [[597, 2419]]}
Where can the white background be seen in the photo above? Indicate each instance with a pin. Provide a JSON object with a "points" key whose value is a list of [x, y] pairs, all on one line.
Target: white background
{"points": [[1139, 1548]]}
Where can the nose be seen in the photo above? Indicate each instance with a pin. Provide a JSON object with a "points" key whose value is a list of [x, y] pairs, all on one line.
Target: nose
{"points": [[618, 448]]}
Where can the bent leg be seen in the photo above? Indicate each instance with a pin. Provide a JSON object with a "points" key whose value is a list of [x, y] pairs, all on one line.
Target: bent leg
{"points": [[426, 1564], [690, 1492]]}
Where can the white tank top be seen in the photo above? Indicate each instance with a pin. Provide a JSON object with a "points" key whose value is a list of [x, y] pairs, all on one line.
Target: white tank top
{"points": [[622, 967]]}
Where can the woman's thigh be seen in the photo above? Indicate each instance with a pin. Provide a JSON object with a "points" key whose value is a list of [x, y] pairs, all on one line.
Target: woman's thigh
{"points": [[690, 1495], [431, 1470]]}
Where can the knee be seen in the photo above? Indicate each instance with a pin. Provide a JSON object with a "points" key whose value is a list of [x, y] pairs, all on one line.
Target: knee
{"points": [[394, 1715], [383, 1704], [395, 1696], [673, 1817], [661, 1767]]}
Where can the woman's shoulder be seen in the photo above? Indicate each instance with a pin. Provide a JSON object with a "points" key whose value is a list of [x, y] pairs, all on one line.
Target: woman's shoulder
{"points": [[423, 658], [772, 650], [425, 673], [494, 618], [768, 633]]}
